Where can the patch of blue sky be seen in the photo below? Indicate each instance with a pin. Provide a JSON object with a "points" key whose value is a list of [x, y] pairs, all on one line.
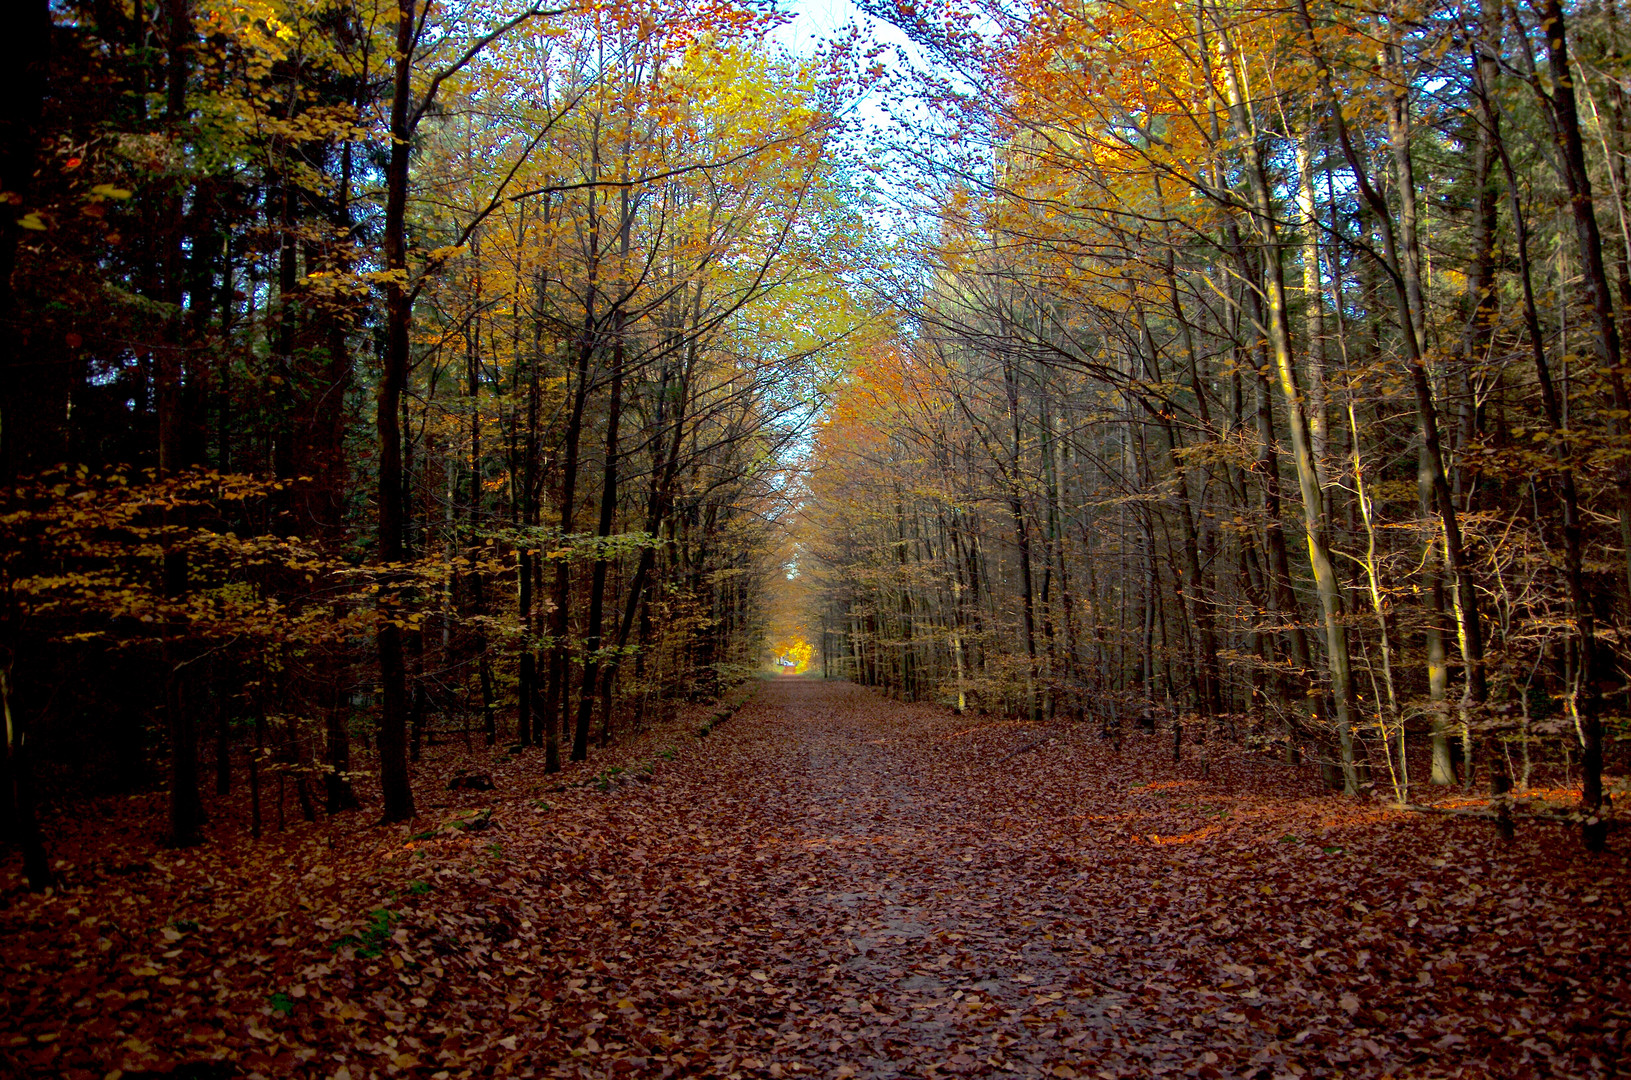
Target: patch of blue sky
{"points": [[816, 22]]}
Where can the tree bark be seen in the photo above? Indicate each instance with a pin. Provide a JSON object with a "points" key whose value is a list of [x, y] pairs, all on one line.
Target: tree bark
{"points": [[1264, 216], [23, 819], [1562, 109], [393, 749], [597, 583]]}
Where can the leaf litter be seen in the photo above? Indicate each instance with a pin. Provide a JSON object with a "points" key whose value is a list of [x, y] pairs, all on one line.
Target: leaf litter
{"points": [[836, 885]]}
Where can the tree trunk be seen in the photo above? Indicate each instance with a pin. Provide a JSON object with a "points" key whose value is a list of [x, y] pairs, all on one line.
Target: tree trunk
{"points": [[23, 819], [27, 64], [186, 808], [1022, 538], [597, 583], [393, 748], [1263, 218], [337, 781], [1563, 112]]}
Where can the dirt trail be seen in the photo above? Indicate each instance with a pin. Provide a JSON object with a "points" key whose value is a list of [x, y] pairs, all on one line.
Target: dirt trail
{"points": [[925, 936], [831, 884]]}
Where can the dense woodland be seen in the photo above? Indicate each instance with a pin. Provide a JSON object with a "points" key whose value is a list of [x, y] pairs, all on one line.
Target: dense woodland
{"points": [[1185, 449], [376, 372], [1259, 377], [379, 373]]}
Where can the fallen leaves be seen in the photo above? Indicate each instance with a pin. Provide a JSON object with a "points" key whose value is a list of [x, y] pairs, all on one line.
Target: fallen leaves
{"points": [[840, 886]]}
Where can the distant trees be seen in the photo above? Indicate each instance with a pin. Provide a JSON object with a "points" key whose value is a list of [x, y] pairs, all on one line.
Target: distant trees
{"points": [[1189, 265]]}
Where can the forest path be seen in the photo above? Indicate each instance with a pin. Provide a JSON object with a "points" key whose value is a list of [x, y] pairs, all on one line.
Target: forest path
{"points": [[861, 887], [831, 884], [927, 930]]}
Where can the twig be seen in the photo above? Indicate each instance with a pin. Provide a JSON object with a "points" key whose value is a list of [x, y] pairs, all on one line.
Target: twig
{"points": [[1032, 745]]}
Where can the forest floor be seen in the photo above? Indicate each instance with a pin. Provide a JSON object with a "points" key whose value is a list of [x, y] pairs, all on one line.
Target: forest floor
{"points": [[829, 884]]}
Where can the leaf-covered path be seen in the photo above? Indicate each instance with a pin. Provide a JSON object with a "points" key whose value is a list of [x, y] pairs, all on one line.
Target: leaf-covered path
{"points": [[897, 898], [833, 884]]}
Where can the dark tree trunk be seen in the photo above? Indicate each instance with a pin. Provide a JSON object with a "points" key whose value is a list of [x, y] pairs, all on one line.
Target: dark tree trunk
{"points": [[393, 748], [22, 819], [186, 808], [26, 63], [560, 621], [597, 583], [337, 781], [223, 744], [1565, 118]]}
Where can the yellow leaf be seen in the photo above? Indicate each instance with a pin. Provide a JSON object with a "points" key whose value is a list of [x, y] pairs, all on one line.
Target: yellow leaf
{"points": [[32, 221]]}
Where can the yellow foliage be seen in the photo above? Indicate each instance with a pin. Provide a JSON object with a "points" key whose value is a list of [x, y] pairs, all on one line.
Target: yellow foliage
{"points": [[792, 655]]}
